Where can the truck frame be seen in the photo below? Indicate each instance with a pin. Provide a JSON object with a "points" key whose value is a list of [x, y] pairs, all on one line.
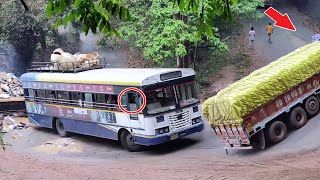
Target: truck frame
{"points": [[271, 121]]}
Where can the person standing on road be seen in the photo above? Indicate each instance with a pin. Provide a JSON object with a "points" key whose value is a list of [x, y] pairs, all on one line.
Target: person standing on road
{"points": [[269, 31], [252, 34]]}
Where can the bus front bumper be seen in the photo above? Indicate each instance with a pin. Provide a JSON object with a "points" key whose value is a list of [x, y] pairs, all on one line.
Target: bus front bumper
{"points": [[154, 140]]}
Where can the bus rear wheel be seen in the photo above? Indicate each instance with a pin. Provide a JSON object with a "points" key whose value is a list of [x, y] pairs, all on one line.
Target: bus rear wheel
{"points": [[127, 142], [277, 132], [60, 129]]}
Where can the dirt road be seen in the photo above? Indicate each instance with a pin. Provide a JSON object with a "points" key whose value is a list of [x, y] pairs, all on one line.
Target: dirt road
{"points": [[38, 153]]}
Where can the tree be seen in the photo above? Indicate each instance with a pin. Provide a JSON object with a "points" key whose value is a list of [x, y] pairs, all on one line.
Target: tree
{"points": [[98, 14], [28, 34], [163, 32]]}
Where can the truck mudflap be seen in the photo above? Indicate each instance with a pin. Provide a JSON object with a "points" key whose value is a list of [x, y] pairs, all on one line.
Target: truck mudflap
{"points": [[233, 137]]}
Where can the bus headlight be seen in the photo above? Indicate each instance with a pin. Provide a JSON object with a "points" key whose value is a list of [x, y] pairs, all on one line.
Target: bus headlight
{"points": [[196, 120], [162, 130]]}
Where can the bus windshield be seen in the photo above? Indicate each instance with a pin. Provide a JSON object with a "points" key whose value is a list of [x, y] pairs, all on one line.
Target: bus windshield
{"points": [[160, 100], [167, 98], [186, 93]]}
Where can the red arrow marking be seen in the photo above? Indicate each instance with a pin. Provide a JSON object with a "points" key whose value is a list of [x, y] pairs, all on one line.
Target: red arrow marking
{"points": [[282, 21]]}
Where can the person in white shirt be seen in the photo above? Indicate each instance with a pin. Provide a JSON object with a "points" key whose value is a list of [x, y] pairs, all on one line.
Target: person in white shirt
{"points": [[252, 34]]}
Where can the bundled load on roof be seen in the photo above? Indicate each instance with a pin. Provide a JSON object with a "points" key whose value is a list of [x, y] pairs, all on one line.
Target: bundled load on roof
{"points": [[233, 103], [65, 60]]}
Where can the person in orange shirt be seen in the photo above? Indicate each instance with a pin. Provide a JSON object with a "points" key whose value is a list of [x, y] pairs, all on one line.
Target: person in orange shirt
{"points": [[269, 31]]}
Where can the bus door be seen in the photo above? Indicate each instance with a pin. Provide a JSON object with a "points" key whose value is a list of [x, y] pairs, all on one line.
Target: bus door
{"points": [[133, 103]]}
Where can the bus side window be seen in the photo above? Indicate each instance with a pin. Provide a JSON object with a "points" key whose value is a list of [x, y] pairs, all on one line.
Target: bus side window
{"points": [[88, 100], [100, 100], [26, 92], [133, 100], [40, 95], [76, 98], [31, 94], [50, 95], [124, 101], [63, 96]]}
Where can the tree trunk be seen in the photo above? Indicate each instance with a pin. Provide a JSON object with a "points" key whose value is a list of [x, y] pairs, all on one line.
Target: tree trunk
{"points": [[42, 40], [186, 59], [179, 62]]}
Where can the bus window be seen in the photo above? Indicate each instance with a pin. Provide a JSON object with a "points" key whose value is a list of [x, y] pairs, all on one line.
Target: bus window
{"points": [[133, 100], [124, 101], [88, 100], [50, 96], [63, 96], [31, 95], [39, 94], [100, 98], [26, 92], [114, 99], [76, 98]]}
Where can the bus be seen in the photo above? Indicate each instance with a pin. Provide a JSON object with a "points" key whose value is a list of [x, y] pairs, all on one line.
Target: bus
{"points": [[85, 101]]}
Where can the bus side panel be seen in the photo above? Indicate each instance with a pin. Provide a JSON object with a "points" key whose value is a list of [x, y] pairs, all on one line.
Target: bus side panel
{"points": [[40, 120], [90, 128]]}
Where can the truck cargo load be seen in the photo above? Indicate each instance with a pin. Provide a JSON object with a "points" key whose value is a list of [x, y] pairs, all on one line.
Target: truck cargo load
{"points": [[233, 103]]}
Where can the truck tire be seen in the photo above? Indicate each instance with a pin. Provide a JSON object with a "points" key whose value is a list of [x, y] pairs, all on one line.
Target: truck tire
{"points": [[128, 143], [277, 132], [60, 129], [312, 106], [298, 118]]}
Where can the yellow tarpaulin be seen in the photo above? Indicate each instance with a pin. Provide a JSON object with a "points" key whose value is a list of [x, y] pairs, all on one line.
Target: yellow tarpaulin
{"points": [[231, 104]]}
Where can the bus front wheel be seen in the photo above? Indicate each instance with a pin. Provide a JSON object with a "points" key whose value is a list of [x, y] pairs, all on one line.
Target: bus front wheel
{"points": [[127, 141], [60, 129]]}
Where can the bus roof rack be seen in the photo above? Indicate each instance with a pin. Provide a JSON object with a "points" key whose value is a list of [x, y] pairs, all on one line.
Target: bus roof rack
{"points": [[67, 67]]}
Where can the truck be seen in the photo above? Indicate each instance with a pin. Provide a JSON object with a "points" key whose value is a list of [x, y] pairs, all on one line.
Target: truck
{"points": [[260, 108]]}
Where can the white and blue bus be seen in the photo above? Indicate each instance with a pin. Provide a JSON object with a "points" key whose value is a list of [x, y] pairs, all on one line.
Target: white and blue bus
{"points": [[86, 102]]}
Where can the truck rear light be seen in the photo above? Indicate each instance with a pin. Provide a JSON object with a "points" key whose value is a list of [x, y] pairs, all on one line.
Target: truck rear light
{"points": [[223, 130], [240, 130], [235, 130], [217, 131], [229, 130]]}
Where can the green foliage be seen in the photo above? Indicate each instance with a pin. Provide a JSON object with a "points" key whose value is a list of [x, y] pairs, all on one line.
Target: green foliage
{"points": [[30, 33], [93, 14], [97, 14], [158, 28], [247, 9]]}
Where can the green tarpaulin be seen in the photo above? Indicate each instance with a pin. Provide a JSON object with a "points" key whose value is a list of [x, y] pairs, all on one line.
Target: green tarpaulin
{"points": [[231, 104]]}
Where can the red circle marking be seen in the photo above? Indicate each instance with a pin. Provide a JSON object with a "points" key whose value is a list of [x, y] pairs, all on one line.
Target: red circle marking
{"points": [[132, 89]]}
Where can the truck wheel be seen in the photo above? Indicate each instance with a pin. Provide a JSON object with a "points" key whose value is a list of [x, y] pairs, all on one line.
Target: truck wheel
{"points": [[312, 106], [60, 129], [277, 132], [127, 142], [298, 118]]}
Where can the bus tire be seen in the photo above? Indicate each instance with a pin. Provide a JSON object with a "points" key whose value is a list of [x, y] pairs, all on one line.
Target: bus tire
{"points": [[298, 118], [60, 129], [312, 106], [277, 132], [127, 142]]}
